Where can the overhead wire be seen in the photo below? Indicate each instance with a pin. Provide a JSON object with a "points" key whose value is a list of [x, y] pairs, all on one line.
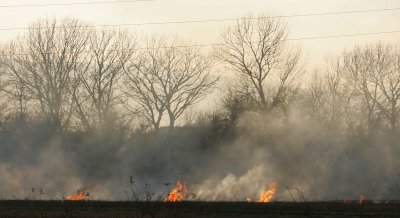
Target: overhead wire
{"points": [[210, 20], [72, 3], [221, 44], [215, 20]]}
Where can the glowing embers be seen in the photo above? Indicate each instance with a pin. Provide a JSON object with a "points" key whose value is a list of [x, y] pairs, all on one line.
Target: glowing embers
{"points": [[80, 195], [361, 199], [178, 193]]}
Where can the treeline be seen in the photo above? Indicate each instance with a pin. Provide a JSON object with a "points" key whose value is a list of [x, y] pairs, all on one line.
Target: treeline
{"points": [[74, 77], [71, 77]]}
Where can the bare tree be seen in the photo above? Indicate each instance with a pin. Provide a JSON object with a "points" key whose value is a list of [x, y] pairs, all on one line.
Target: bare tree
{"points": [[143, 89], [14, 88], [361, 89], [387, 77], [356, 68], [373, 71], [14, 99], [169, 77], [257, 50], [97, 94], [331, 100], [44, 61]]}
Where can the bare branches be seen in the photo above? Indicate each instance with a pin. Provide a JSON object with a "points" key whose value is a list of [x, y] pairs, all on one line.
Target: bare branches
{"points": [[374, 73], [97, 94], [168, 79], [257, 49], [48, 69], [368, 79], [331, 98]]}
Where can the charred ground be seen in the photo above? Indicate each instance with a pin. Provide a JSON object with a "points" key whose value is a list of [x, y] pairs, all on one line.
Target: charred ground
{"points": [[24, 208]]}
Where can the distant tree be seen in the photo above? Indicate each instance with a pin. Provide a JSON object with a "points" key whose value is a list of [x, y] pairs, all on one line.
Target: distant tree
{"points": [[168, 77], [14, 89], [374, 73], [258, 51], [360, 90], [97, 95], [331, 100], [44, 61]]}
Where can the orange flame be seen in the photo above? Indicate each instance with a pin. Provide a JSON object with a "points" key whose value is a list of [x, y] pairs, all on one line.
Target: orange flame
{"points": [[178, 193], [267, 195], [78, 196], [361, 199]]}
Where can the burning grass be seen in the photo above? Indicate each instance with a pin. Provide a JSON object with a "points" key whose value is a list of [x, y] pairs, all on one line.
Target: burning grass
{"points": [[267, 195], [80, 195], [178, 193]]}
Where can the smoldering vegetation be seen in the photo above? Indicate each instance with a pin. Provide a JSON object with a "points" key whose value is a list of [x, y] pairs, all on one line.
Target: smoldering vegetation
{"points": [[217, 162], [97, 110]]}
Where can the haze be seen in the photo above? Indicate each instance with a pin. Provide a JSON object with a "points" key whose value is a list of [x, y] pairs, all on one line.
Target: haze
{"points": [[208, 32]]}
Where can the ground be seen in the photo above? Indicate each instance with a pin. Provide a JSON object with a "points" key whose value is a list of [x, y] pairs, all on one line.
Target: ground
{"points": [[25, 208]]}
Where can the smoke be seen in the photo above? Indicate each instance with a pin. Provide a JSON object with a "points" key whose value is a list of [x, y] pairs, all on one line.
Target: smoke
{"points": [[232, 187], [218, 162]]}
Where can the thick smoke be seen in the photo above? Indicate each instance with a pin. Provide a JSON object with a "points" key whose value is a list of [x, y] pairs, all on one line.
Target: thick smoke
{"points": [[217, 162]]}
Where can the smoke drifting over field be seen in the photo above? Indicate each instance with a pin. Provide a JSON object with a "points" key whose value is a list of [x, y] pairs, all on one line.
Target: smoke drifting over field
{"points": [[96, 110], [265, 151]]}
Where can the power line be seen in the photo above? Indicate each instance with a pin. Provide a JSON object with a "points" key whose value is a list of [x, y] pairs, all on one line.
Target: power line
{"points": [[72, 3], [215, 20], [254, 18], [221, 44], [344, 35], [289, 39]]}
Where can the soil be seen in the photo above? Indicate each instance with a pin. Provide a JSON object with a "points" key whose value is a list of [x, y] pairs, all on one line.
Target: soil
{"points": [[114, 209]]}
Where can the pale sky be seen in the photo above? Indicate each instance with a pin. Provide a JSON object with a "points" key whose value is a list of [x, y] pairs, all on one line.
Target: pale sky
{"points": [[208, 32]]}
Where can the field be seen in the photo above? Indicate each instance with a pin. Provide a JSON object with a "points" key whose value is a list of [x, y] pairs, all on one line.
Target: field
{"points": [[25, 208]]}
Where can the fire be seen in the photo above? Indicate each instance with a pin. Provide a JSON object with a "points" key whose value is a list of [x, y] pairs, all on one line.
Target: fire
{"points": [[361, 199], [78, 196], [249, 200], [178, 193], [268, 194]]}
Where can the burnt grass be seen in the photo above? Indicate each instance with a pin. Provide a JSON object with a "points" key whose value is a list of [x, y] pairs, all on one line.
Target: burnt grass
{"points": [[27, 208]]}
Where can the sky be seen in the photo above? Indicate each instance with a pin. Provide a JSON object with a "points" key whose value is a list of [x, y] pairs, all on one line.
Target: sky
{"points": [[315, 51]]}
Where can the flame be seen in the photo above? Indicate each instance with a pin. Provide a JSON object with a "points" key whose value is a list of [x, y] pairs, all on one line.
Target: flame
{"points": [[249, 199], [78, 196], [268, 194], [178, 193], [361, 199]]}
